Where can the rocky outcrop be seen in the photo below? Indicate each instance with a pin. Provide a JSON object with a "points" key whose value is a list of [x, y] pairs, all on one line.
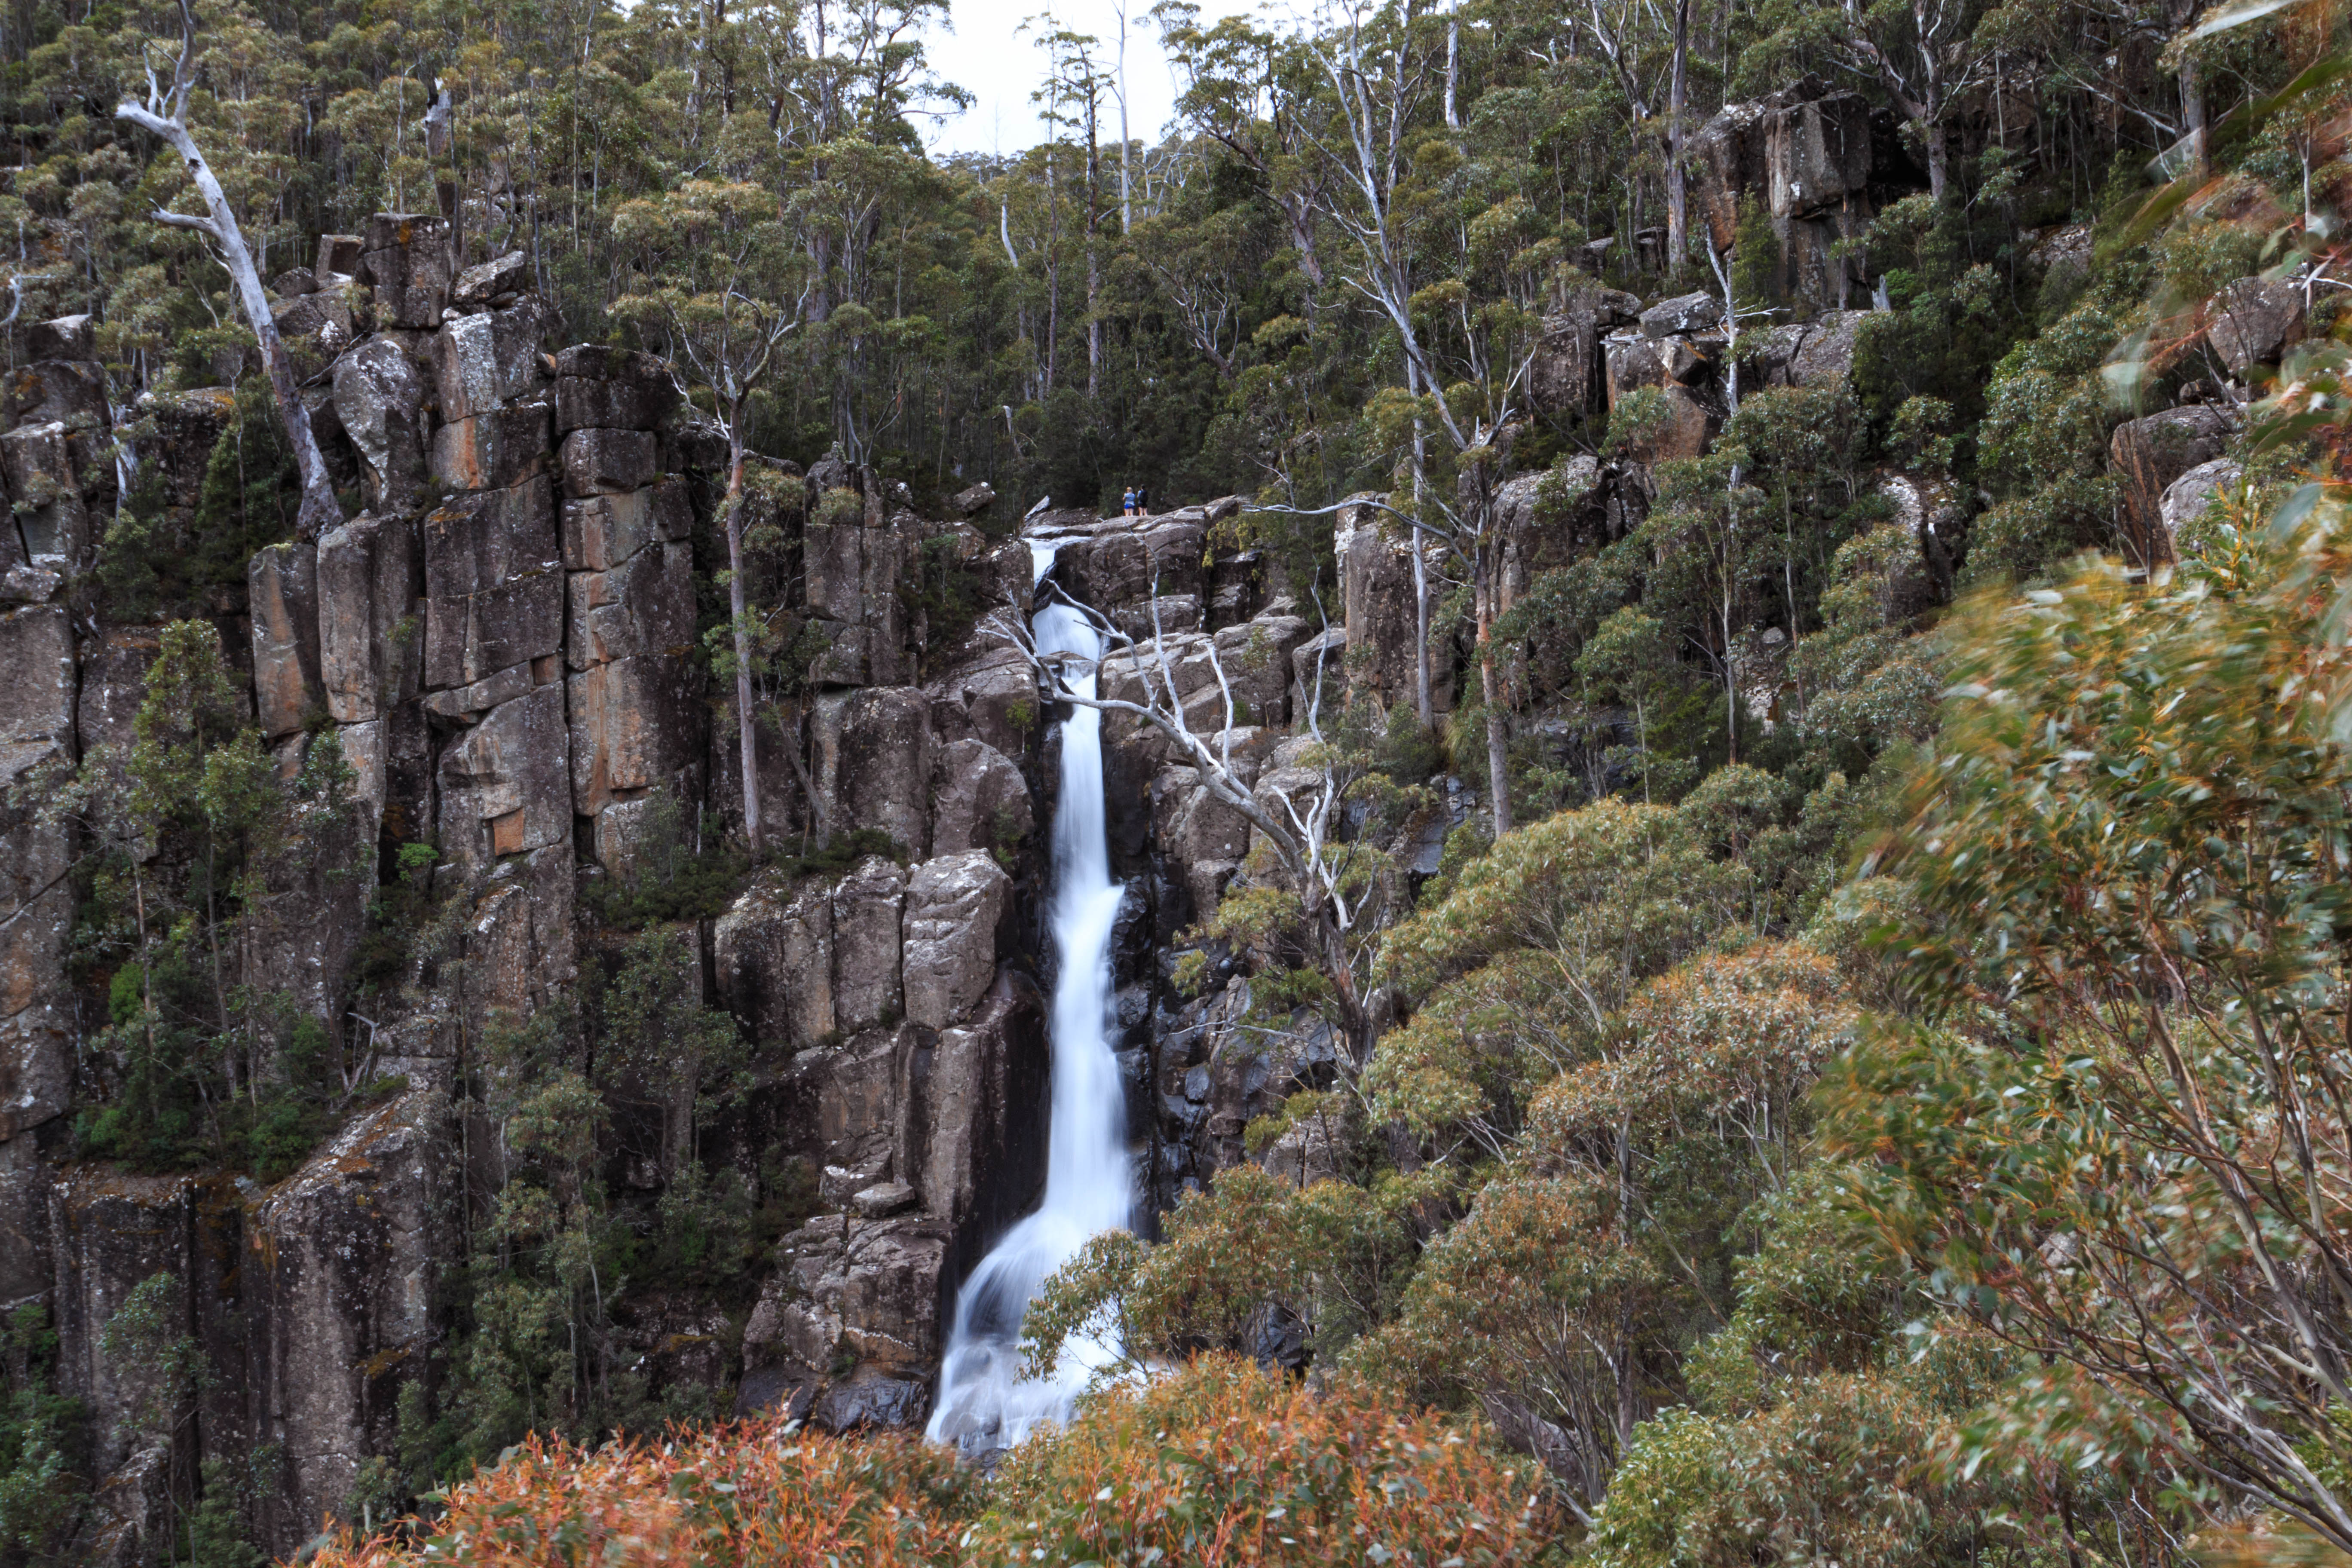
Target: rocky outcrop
{"points": [[1568, 377], [379, 399], [345, 1256], [1823, 162], [1378, 608]]}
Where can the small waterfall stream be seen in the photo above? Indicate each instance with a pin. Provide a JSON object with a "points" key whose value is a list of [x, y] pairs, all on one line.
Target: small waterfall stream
{"points": [[983, 1401]]}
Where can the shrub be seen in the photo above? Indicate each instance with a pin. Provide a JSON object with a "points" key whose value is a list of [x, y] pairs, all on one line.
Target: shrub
{"points": [[1224, 1463], [1216, 1463], [1838, 1472], [757, 1491]]}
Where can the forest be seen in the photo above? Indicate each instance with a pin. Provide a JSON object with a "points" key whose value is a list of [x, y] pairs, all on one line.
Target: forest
{"points": [[1728, 754]]}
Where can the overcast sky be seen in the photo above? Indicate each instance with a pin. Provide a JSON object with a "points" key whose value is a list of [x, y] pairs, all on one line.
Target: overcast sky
{"points": [[988, 54]]}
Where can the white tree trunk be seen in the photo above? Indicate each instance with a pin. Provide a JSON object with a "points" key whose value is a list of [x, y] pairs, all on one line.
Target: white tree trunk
{"points": [[739, 608], [320, 510]]}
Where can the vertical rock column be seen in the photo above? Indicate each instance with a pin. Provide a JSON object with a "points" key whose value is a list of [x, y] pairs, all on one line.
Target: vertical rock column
{"points": [[493, 635], [37, 712], [628, 595]]}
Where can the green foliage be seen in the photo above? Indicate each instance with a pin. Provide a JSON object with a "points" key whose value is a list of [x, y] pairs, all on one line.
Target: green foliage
{"points": [[195, 841], [2127, 849], [216, 1537], [154, 567], [673, 870], [1755, 259], [1565, 1166], [1835, 1469], [945, 595], [248, 494], [1331, 1255], [42, 1489], [838, 855]]}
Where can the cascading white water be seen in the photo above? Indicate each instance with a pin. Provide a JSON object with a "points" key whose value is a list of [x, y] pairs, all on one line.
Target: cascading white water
{"points": [[983, 1401]]}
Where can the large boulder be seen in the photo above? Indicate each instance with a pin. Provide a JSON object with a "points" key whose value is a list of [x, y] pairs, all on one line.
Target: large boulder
{"points": [[64, 338], [774, 956], [863, 1294], [617, 389], [851, 565], [1682, 315], [2187, 498], [992, 699], [379, 399], [2254, 320], [496, 450], [1821, 161], [37, 462], [972, 1165], [645, 605], [477, 287], [344, 1255], [471, 374], [71, 392], [1201, 839], [1122, 562], [1377, 596], [604, 461], [2150, 453], [874, 763], [1826, 356], [603, 531], [315, 327], [406, 261], [519, 944], [955, 904], [1566, 378], [109, 1232], [1638, 364]]}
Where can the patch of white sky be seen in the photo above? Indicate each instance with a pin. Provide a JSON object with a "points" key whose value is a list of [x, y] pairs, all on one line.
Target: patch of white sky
{"points": [[994, 49]]}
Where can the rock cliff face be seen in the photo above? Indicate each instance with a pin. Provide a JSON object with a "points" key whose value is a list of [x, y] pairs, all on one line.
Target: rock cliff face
{"points": [[503, 647]]}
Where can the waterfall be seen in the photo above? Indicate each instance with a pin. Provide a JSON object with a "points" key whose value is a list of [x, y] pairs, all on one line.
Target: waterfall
{"points": [[983, 1401]]}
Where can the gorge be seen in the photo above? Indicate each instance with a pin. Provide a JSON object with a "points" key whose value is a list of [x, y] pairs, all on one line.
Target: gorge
{"points": [[1645, 914]]}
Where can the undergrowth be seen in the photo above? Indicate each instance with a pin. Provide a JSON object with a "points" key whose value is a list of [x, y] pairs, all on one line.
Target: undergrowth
{"points": [[1220, 1463]]}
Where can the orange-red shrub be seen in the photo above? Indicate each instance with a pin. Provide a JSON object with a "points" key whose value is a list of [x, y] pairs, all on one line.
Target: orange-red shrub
{"points": [[1216, 1464], [752, 1493], [1223, 1463]]}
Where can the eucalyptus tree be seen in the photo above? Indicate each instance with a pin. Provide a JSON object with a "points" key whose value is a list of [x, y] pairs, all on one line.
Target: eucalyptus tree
{"points": [[164, 112], [720, 270]]}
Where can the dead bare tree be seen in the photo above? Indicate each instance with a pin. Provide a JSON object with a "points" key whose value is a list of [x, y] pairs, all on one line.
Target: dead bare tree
{"points": [[165, 115]]}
